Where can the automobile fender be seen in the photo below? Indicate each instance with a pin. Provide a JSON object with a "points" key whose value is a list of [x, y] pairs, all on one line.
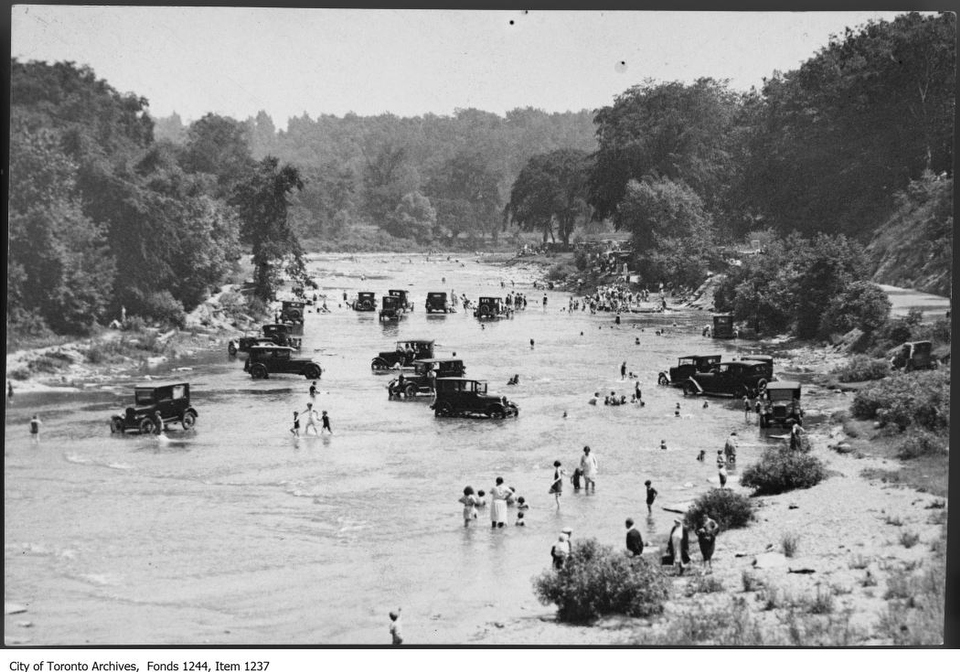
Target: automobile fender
{"points": [[695, 383]]}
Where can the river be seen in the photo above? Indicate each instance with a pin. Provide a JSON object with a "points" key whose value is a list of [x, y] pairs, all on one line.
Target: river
{"points": [[237, 533]]}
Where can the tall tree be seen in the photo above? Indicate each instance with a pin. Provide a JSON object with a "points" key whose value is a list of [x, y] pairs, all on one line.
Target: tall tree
{"points": [[262, 200], [550, 193], [218, 146], [466, 194]]}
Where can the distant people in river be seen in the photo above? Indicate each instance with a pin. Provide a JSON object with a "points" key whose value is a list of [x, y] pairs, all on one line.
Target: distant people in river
{"points": [[514, 380], [395, 635], [311, 422], [747, 408], [35, 428], [623, 371], [325, 419], [588, 464], [596, 398], [701, 456], [520, 521], [522, 504], [651, 495], [498, 510], [295, 430], [577, 479], [730, 448], [722, 474], [663, 444], [470, 502], [556, 488], [313, 389]]}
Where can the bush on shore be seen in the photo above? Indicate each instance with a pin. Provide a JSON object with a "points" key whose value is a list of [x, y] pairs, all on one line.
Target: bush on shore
{"points": [[861, 368], [728, 508], [600, 581], [782, 469], [921, 443], [917, 399]]}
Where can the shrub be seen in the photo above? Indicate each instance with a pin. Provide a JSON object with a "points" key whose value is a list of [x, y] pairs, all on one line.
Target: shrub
{"points": [[782, 469], [728, 508], [790, 542], [822, 603], [919, 399], [704, 584], [909, 539], [893, 520], [921, 443], [861, 367], [598, 581], [751, 581]]}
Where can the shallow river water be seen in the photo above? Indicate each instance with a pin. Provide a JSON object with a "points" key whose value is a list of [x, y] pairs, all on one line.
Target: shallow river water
{"points": [[236, 533]]}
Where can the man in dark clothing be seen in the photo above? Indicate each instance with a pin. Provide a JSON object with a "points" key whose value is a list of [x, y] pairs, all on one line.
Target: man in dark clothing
{"points": [[634, 540]]}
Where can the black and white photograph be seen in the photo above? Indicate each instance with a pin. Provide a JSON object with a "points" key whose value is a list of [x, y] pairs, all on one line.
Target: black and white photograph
{"points": [[455, 328]]}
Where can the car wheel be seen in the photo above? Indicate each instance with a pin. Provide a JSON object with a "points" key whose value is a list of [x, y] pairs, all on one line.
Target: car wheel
{"points": [[147, 426], [189, 420], [662, 379], [116, 425], [443, 410], [496, 412], [761, 385], [484, 310], [258, 371], [410, 390], [232, 348], [378, 364], [312, 372], [367, 305], [689, 388]]}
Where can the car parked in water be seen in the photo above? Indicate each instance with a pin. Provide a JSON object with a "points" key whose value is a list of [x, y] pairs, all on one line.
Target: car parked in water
{"points": [[437, 303], [390, 309], [686, 367], [723, 326], [404, 354], [729, 378], [465, 397], [403, 297], [275, 334], [765, 360], [421, 381], [267, 359], [491, 308], [292, 311], [365, 302], [781, 404], [172, 400]]}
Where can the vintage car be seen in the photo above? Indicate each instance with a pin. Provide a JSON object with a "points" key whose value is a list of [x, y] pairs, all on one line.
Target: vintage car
{"points": [[437, 303], [914, 355], [276, 334], [686, 367], [292, 311], [391, 308], [267, 359], [404, 354], [766, 360], [781, 405], [172, 400], [735, 378], [365, 302], [420, 381], [403, 296], [723, 326], [458, 397], [490, 308]]}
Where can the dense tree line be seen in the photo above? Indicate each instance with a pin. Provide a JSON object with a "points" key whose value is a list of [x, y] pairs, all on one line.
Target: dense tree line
{"points": [[104, 220]]}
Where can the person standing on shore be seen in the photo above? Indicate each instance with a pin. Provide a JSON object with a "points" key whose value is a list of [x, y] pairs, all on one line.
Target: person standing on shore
{"points": [[747, 408], [678, 546], [560, 551], [706, 538], [721, 470], [588, 464], [634, 540]]}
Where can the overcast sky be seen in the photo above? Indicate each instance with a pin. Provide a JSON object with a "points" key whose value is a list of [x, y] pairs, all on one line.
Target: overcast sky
{"points": [[237, 61]]}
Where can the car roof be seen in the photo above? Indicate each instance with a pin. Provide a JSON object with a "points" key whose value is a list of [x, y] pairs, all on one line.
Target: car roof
{"points": [[456, 378], [699, 356], [145, 386], [757, 358], [783, 385], [274, 347], [415, 340], [434, 360]]}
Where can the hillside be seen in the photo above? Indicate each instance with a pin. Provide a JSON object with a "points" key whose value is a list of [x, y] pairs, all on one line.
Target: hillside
{"points": [[913, 248]]}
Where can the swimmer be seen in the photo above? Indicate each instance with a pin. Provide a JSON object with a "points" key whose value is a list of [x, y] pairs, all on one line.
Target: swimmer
{"points": [[706, 404], [663, 444], [701, 456]]}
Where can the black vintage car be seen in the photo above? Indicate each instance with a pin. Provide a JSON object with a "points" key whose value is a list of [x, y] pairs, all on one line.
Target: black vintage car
{"points": [[420, 381], [292, 311], [437, 303], [723, 326], [172, 400], [404, 354], [686, 367], [729, 378], [267, 359], [403, 297], [491, 308], [781, 405], [465, 397], [365, 302], [766, 360], [275, 334], [391, 309]]}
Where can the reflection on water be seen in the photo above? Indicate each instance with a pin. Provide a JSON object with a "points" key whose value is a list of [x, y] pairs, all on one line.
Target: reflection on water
{"points": [[236, 532]]}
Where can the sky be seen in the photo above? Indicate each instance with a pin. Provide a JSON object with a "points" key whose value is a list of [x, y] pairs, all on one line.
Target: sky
{"points": [[290, 62]]}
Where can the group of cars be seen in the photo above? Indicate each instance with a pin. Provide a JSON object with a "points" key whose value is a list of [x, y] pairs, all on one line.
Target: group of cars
{"points": [[396, 303], [749, 376], [455, 395]]}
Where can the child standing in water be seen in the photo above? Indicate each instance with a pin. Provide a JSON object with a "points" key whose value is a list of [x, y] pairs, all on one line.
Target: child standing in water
{"points": [[469, 501], [651, 495], [326, 422], [395, 633], [556, 488], [295, 430], [35, 428]]}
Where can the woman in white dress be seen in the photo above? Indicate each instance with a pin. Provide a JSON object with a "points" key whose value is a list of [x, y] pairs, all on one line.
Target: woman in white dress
{"points": [[498, 512]]}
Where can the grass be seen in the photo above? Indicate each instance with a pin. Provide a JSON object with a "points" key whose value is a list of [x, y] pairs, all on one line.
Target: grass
{"points": [[704, 584], [858, 562], [893, 520], [751, 582], [790, 543], [823, 603]]}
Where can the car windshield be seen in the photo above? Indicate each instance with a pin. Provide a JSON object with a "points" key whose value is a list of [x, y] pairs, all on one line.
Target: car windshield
{"points": [[143, 397], [780, 395]]}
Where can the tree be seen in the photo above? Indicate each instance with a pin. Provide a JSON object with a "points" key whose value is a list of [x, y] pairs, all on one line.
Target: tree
{"points": [[414, 218], [466, 194], [861, 304], [550, 193], [262, 202], [218, 146], [387, 177]]}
